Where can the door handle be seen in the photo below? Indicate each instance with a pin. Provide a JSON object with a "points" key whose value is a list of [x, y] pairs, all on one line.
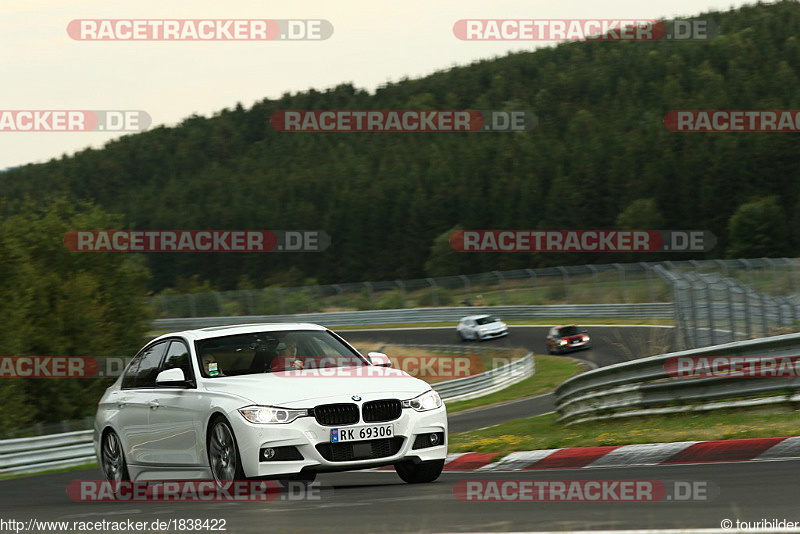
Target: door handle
{"points": [[121, 404], [153, 404]]}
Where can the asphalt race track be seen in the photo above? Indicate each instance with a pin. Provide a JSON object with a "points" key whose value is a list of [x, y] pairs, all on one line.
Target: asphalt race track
{"points": [[611, 344], [380, 502], [370, 501]]}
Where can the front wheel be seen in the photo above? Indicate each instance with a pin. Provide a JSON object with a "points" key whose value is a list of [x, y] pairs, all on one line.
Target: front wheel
{"points": [[223, 454], [419, 473], [112, 458]]}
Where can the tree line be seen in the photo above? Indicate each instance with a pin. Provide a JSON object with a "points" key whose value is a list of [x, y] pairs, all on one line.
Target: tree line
{"points": [[599, 158]]}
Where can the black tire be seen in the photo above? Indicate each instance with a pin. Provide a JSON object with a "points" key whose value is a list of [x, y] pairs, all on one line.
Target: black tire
{"points": [[223, 452], [419, 473], [112, 458]]}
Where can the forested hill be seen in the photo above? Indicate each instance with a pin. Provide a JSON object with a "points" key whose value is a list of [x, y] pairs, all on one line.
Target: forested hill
{"points": [[600, 157]]}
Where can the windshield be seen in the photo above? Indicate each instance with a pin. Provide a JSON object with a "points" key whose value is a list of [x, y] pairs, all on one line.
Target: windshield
{"points": [[486, 320], [569, 331], [267, 352]]}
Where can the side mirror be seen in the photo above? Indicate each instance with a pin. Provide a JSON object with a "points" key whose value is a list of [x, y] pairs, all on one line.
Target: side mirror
{"points": [[171, 377], [584, 331], [379, 359]]}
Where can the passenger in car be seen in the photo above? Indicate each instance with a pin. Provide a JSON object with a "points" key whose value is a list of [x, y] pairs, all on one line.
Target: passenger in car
{"points": [[211, 366]]}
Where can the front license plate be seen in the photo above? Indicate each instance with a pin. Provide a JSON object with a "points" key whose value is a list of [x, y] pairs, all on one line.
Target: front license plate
{"points": [[360, 433]]}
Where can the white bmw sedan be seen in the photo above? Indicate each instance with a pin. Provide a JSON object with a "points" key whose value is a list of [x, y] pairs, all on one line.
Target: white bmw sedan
{"points": [[281, 401]]}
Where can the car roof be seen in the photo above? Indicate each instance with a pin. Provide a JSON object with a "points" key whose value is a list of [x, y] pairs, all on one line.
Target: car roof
{"points": [[566, 326], [475, 317], [232, 330]]}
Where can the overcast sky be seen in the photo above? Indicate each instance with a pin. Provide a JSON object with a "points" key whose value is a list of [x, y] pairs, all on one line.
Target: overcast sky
{"points": [[373, 42]]}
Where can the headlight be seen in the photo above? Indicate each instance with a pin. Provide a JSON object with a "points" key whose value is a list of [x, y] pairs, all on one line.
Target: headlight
{"points": [[271, 414], [562, 342], [587, 338], [430, 400]]}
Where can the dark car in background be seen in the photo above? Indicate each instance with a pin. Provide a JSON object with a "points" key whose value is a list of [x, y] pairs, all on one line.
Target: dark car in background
{"points": [[563, 339]]}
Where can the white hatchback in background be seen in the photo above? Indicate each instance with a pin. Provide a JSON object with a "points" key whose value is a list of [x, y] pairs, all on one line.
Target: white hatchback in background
{"points": [[266, 401], [480, 327]]}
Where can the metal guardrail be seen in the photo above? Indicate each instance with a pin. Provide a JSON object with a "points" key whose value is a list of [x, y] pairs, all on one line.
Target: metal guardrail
{"points": [[56, 451], [653, 310], [597, 283], [643, 387], [472, 387]]}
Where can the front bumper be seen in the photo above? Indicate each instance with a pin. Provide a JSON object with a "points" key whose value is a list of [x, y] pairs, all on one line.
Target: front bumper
{"points": [[305, 434], [490, 335], [578, 345]]}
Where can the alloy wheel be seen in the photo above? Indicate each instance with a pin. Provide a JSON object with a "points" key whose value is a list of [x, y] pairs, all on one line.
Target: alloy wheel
{"points": [[111, 454], [222, 453]]}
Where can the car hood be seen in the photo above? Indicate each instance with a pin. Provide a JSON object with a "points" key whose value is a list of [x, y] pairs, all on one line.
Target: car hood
{"points": [[303, 389]]}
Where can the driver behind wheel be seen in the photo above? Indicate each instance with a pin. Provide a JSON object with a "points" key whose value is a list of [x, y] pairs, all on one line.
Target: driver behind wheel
{"points": [[286, 357]]}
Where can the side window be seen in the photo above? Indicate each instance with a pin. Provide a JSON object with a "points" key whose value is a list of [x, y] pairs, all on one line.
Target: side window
{"points": [[148, 367], [129, 379], [178, 358]]}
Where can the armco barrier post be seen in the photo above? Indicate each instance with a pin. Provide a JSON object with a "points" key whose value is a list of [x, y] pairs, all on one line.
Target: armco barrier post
{"points": [[565, 279], [622, 281], [710, 313], [502, 286], [532, 274], [435, 290], [731, 310], [593, 269]]}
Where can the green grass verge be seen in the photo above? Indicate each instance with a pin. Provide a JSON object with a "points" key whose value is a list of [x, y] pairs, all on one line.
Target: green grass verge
{"points": [[543, 432], [50, 471], [550, 372]]}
